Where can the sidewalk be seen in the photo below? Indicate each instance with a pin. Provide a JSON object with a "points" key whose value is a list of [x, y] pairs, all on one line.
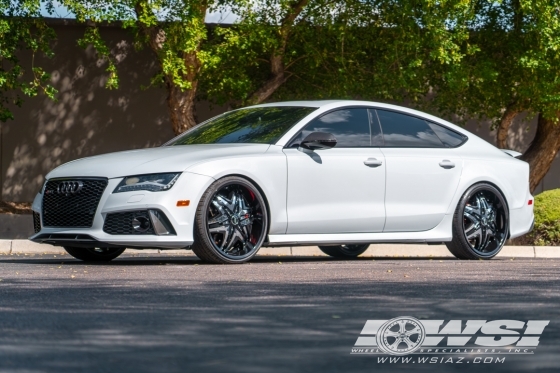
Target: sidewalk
{"points": [[8, 247]]}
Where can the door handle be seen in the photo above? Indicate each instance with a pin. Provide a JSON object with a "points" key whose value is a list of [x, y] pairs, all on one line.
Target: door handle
{"points": [[446, 163], [373, 162]]}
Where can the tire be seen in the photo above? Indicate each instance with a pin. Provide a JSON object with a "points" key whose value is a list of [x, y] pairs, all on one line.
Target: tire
{"points": [[344, 251], [480, 223], [231, 222], [94, 255]]}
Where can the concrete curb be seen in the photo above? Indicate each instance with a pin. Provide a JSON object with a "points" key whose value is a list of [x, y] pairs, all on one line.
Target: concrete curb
{"points": [[25, 247]]}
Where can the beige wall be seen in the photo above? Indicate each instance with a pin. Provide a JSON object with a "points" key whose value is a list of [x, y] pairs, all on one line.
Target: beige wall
{"points": [[88, 119]]}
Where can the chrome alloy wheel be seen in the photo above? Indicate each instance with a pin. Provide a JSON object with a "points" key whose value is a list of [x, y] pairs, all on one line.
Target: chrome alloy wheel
{"points": [[235, 221], [484, 222]]}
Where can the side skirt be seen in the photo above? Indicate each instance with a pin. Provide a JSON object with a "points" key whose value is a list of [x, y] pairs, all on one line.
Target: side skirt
{"points": [[441, 233]]}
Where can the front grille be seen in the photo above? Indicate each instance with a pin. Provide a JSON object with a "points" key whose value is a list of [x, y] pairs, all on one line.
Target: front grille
{"points": [[121, 222], [36, 222], [74, 209]]}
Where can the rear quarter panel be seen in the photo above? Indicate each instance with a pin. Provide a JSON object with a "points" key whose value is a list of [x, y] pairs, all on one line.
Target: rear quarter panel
{"points": [[482, 162]]}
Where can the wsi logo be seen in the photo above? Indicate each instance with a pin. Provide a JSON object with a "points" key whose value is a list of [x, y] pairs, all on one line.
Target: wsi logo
{"points": [[407, 335]]}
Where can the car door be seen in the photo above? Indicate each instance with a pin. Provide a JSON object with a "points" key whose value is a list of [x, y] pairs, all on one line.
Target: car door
{"points": [[342, 189], [423, 171]]}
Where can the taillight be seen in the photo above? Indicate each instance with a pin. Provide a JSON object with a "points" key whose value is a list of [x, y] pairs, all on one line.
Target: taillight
{"points": [[530, 202]]}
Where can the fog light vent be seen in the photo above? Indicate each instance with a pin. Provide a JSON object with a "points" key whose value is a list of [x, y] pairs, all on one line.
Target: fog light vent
{"points": [[141, 224], [146, 222], [128, 222]]}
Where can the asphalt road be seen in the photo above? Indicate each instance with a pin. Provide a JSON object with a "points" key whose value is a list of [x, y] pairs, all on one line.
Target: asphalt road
{"points": [[174, 314]]}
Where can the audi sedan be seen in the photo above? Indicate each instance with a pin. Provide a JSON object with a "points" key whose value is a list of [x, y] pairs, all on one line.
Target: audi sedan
{"points": [[338, 174]]}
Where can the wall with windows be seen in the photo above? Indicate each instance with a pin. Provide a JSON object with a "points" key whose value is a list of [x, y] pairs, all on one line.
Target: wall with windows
{"points": [[88, 119]]}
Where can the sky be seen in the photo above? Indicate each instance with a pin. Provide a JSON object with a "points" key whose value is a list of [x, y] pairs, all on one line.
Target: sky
{"points": [[225, 16]]}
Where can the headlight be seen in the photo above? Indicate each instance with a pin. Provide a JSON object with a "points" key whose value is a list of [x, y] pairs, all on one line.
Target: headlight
{"points": [[151, 183]]}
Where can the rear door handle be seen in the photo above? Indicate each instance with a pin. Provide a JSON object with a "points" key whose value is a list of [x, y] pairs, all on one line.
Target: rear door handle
{"points": [[373, 162], [446, 164]]}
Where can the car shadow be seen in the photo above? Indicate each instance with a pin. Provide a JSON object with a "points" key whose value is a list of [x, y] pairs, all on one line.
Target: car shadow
{"points": [[127, 260]]}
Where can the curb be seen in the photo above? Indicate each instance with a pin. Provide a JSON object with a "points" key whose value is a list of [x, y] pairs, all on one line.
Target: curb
{"points": [[8, 247]]}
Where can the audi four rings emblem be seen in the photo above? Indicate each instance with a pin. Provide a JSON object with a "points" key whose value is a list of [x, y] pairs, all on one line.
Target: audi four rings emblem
{"points": [[69, 187]]}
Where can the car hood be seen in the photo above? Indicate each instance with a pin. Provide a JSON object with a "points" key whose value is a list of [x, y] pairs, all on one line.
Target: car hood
{"points": [[152, 160]]}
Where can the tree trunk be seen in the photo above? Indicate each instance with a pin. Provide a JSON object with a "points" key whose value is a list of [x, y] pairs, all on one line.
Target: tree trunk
{"points": [[542, 151], [181, 104], [278, 77], [503, 128]]}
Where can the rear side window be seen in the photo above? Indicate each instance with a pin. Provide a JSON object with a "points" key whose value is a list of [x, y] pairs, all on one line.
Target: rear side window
{"points": [[405, 131], [450, 139], [350, 127]]}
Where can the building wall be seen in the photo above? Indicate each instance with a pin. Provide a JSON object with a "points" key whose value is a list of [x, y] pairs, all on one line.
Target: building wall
{"points": [[88, 119]]}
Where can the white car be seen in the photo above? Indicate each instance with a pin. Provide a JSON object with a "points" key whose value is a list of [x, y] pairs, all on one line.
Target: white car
{"points": [[338, 174]]}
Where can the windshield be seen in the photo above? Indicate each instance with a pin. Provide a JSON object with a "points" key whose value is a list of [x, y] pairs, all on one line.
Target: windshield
{"points": [[263, 125]]}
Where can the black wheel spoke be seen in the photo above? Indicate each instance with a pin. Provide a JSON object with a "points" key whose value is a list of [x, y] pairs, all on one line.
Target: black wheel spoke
{"points": [[482, 231], [232, 215]]}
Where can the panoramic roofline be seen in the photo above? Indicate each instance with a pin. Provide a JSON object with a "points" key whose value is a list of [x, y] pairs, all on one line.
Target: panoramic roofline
{"points": [[326, 105]]}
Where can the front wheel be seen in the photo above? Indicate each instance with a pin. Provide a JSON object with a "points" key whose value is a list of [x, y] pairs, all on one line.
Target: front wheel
{"points": [[231, 222], [480, 223], [98, 254], [344, 251]]}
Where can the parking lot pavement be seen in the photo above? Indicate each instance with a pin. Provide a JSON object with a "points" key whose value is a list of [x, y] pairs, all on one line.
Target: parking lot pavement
{"points": [[275, 314]]}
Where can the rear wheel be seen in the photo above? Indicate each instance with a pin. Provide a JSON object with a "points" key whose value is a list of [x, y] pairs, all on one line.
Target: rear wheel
{"points": [[231, 222], [344, 251], [480, 223], [98, 254]]}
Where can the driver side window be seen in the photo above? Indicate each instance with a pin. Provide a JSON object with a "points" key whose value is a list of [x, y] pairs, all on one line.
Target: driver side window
{"points": [[350, 127]]}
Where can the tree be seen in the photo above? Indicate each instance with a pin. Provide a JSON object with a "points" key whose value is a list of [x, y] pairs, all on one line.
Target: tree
{"points": [[173, 29], [514, 68], [255, 57], [22, 28]]}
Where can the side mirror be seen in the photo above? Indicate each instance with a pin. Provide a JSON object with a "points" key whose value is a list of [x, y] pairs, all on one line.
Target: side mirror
{"points": [[318, 140]]}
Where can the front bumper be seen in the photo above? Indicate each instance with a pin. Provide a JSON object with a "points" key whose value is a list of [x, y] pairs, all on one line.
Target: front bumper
{"points": [[189, 186]]}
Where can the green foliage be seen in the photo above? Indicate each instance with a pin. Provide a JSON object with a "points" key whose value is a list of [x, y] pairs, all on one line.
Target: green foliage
{"points": [[173, 29], [547, 221], [368, 49], [514, 62], [93, 37], [21, 28], [465, 58]]}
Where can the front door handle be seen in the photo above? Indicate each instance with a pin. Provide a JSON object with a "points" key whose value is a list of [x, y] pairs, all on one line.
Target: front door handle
{"points": [[446, 163], [373, 162]]}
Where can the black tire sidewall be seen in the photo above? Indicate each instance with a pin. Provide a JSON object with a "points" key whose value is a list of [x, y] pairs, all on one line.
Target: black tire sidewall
{"points": [[338, 251], [88, 255]]}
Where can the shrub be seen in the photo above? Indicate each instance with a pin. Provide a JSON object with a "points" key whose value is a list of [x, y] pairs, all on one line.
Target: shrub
{"points": [[547, 221]]}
